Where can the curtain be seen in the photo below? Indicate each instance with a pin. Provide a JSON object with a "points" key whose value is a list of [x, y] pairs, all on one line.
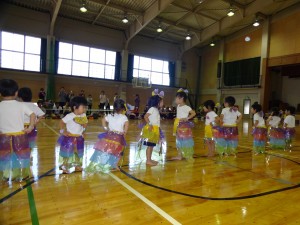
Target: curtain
{"points": [[130, 67], [43, 55], [118, 66], [172, 71], [242, 72]]}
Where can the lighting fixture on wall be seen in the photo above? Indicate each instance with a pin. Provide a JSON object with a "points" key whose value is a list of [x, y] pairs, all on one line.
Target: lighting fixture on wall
{"points": [[159, 28], [125, 20], [256, 23], [83, 7], [188, 37], [212, 44], [230, 12]]}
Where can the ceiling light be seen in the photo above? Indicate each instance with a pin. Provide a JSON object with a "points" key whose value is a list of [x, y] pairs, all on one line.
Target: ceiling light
{"points": [[83, 8], [256, 23], [125, 20], [247, 39], [159, 29], [212, 44], [230, 12], [188, 37]]}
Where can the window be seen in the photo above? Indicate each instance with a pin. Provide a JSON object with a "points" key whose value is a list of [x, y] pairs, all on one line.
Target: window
{"points": [[155, 70], [84, 61], [20, 52]]}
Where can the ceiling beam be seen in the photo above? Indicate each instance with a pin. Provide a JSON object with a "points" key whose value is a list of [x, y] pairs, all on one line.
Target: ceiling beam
{"points": [[184, 27], [116, 6], [142, 21], [193, 11], [227, 22], [101, 11], [232, 2], [54, 16]]}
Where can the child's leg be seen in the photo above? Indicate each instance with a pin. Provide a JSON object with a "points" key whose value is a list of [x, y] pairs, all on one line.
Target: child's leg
{"points": [[179, 155], [148, 156], [288, 144], [211, 147]]}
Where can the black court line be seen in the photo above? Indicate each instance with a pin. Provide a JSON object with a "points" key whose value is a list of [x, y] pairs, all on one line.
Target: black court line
{"points": [[210, 198], [215, 198], [24, 186]]}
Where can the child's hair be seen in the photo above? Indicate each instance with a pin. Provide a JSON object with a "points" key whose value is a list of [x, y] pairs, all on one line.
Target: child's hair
{"points": [[275, 111], [291, 109], [77, 101], [257, 107], [182, 94], [209, 104], [8, 87], [154, 101], [119, 105], [25, 94], [230, 100]]}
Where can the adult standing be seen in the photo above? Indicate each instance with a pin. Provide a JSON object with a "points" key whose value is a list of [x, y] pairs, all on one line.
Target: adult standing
{"points": [[137, 102], [42, 95], [103, 100], [62, 97]]}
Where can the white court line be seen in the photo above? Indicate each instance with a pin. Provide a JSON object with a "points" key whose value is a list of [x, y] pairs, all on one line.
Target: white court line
{"points": [[147, 201], [54, 131], [136, 193]]}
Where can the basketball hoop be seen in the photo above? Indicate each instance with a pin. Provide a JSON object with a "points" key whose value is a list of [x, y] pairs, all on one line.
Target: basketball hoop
{"points": [[141, 82]]}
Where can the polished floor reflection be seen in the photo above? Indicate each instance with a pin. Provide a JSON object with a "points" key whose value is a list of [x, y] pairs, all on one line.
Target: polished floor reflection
{"points": [[246, 189]]}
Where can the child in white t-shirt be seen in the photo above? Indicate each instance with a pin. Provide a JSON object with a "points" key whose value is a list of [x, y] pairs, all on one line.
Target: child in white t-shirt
{"points": [[151, 133], [276, 133], [71, 140], [14, 145], [259, 129], [211, 119], [25, 96], [289, 126], [111, 144], [229, 119], [183, 127]]}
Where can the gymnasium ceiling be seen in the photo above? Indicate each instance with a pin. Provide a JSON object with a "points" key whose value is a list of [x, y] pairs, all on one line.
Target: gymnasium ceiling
{"points": [[204, 20]]}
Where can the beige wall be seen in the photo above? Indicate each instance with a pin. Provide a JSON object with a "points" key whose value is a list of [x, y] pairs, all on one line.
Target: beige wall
{"points": [[191, 73], [238, 48], [285, 35], [35, 81]]}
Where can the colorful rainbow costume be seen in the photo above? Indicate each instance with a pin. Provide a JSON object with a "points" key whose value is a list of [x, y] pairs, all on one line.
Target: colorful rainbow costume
{"points": [[289, 136], [259, 139], [184, 138], [226, 139], [31, 136], [71, 150], [277, 138], [15, 156], [108, 151]]}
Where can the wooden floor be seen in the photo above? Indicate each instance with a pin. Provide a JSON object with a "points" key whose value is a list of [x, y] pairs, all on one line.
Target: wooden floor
{"points": [[248, 189]]}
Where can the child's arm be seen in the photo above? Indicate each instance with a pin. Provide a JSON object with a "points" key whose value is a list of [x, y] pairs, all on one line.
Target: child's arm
{"points": [[192, 114], [31, 125], [146, 117], [255, 123], [126, 125], [104, 123], [63, 128], [217, 121], [239, 119], [268, 120], [221, 119]]}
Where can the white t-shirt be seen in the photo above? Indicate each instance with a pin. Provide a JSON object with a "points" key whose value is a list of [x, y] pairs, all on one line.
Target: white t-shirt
{"points": [[116, 122], [230, 117], [260, 119], [210, 117], [290, 121], [154, 117], [72, 126], [183, 111], [36, 110], [275, 120], [12, 116]]}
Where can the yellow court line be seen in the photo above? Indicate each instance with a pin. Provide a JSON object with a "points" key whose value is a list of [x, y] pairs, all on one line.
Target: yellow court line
{"points": [[145, 200], [136, 193]]}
